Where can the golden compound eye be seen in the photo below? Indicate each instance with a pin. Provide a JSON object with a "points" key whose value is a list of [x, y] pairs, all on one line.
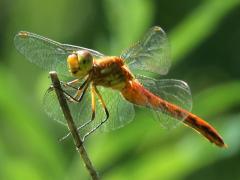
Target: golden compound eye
{"points": [[72, 61], [84, 57]]}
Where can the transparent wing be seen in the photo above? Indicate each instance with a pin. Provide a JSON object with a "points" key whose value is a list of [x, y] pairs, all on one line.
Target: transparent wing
{"points": [[121, 112], [81, 112], [46, 53], [174, 91], [151, 54]]}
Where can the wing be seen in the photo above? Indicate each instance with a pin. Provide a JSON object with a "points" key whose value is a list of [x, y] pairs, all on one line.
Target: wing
{"points": [[151, 54], [121, 112], [46, 53], [174, 91]]}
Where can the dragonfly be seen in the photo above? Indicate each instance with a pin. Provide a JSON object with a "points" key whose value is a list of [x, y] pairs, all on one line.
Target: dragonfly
{"points": [[102, 90]]}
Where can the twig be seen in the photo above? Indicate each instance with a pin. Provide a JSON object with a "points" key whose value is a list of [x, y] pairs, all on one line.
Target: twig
{"points": [[73, 130]]}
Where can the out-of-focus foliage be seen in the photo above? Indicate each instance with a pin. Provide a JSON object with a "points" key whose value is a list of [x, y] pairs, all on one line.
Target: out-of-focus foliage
{"points": [[205, 40]]}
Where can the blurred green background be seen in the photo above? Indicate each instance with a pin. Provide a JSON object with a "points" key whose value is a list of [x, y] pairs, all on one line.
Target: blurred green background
{"points": [[205, 43]]}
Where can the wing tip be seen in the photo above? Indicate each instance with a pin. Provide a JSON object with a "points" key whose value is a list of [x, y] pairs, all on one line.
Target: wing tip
{"points": [[20, 35], [158, 28], [23, 34]]}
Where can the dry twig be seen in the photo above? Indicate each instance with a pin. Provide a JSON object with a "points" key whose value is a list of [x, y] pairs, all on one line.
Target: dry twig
{"points": [[73, 130]]}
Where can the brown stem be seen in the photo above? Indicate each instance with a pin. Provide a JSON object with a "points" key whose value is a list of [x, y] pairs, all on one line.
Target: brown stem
{"points": [[73, 130]]}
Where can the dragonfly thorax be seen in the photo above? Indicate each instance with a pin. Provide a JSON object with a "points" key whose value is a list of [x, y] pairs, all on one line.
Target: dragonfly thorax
{"points": [[80, 63]]}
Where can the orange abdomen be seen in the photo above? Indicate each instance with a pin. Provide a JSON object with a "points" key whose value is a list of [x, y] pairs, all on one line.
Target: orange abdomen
{"points": [[137, 94]]}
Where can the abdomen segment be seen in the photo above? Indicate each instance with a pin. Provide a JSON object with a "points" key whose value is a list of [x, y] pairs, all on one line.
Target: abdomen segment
{"points": [[137, 94]]}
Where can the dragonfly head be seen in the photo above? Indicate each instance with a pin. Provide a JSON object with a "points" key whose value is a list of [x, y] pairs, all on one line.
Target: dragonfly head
{"points": [[80, 63]]}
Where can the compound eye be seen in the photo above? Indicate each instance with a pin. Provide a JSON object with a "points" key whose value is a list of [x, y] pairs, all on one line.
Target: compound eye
{"points": [[85, 57], [73, 63]]}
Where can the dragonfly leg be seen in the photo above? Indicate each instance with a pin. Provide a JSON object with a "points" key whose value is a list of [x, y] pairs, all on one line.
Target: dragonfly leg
{"points": [[77, 97], [93, 92], [93, 109], [70, 83], [67, 95], [79, 100], [93, 113], [85, 124], [106, 112], [80, 91]]}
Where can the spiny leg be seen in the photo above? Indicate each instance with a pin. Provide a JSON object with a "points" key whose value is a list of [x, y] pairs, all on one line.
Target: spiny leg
{"points": [[64, 84], [70, 83], [106, 112], [67, 95], [80, 92], [93, 112], [93, 107]]}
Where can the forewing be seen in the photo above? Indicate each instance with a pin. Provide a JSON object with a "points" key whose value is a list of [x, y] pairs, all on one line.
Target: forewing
{"points": [[46, 53], [171, 90], [151, 54]]}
